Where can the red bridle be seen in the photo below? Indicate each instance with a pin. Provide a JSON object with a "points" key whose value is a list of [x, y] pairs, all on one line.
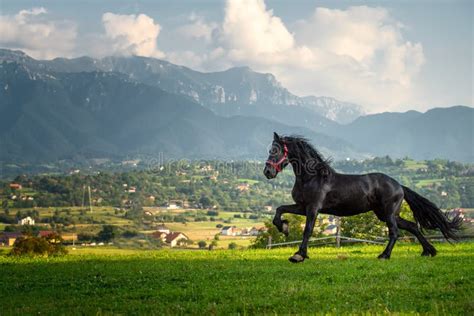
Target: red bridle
{"points": [[277, 165]]}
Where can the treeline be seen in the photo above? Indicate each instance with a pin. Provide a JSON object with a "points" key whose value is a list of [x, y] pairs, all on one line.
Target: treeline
{"points": [[237, 186]]}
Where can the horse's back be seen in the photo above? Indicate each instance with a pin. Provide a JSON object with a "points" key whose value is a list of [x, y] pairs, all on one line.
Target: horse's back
{"points": [[355, 194]]}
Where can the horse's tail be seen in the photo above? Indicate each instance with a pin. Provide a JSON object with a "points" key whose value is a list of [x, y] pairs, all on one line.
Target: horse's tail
{"points": [[429, 216]]}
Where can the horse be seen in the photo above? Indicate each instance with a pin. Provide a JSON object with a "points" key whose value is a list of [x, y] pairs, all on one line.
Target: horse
{"points": [[319, 188]]}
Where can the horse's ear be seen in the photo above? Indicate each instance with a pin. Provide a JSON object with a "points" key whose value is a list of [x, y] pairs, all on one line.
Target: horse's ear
{"points": [[276, 137]]}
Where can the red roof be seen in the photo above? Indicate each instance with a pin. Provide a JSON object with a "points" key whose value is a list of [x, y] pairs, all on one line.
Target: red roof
{"points": [[45, 233], [172, 236]]}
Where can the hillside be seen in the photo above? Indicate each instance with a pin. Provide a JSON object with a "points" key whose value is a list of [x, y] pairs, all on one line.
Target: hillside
{"points": [[118, 107], [48, 116], [441, 132]]}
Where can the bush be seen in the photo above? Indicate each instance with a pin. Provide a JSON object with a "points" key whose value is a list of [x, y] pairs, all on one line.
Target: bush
{"points": [[232, 245], [50, 245], [202, 244]]}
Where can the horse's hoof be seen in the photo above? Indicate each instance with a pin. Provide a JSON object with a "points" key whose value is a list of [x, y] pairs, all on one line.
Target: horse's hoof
{"points": [[383, 256], [426, 253], [296, 258], [285, 226]]}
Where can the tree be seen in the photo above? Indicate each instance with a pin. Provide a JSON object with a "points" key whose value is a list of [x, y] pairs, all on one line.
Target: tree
{"points": [[232, 245], [295, 223], [365, 225], [202, 244], [50, 245], [107, 233]]}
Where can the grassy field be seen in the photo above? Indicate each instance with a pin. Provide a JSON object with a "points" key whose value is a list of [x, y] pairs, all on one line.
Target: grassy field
{"points": [[346, 280]]}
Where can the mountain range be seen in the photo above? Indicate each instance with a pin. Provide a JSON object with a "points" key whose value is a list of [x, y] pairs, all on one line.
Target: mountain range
{"points": [[119, 107]]}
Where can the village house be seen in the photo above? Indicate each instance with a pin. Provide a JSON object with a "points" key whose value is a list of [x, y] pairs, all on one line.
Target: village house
{"points": [[228, 231], [132, 190], [9, 238], [15, 186], [160, 235], [176, 239], [330, 230], [26, 221], [268, 208], [253, 231]]}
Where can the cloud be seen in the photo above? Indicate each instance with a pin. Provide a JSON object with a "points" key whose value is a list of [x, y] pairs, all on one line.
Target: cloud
{"points": [[358, 54], [29, 31], [198, 28], [132, 34]]}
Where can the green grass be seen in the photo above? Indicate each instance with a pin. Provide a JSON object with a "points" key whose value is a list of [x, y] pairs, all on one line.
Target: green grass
{"points": [[249, 181], [335, 281]]}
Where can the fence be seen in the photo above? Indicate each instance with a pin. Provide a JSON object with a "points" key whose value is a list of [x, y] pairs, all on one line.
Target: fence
{"points": [[342, 239]]}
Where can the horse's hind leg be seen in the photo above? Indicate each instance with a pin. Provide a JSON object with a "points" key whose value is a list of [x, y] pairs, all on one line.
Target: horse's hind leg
{"points": [[428, 249], [391, 209]]}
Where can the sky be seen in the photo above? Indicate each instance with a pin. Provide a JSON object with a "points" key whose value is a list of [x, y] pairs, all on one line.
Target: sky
{"points": [[383, 55]]}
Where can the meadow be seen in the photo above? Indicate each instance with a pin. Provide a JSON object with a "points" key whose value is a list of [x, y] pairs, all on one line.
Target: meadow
{"points": [[334, 281]]}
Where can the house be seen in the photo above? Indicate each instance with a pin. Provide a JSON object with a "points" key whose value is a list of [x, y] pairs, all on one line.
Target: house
{"points": [[160, 235], [330, 230], [9, 238], [69, 237], [15, 186], [176, 239], [268, 208], [172, 205], [228, 231], [253, 231], [458, 212], [26, 221], [45, 233], [245, 231], [163, 229], [132, 190]]}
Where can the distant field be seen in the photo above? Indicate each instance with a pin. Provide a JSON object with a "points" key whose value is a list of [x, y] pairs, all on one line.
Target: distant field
{"points": [[335, 281]]}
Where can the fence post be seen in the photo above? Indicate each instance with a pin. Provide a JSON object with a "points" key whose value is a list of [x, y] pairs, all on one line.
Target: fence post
{"points": [[269, 245], [338, 232]]}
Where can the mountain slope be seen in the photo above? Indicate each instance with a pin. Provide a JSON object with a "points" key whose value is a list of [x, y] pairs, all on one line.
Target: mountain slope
{"points": [[236, 91], [439, 133], [51, 115]]}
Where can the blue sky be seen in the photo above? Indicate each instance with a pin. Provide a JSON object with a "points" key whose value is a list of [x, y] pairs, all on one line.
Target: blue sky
{"points": [[384, 55]]}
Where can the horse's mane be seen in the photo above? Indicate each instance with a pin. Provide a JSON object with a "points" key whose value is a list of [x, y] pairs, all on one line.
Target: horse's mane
{"points": [[304, 150]]}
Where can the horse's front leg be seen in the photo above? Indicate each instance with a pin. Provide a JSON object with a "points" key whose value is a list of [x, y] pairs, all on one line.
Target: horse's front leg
{"points": [[311, 214], [282, 225]]}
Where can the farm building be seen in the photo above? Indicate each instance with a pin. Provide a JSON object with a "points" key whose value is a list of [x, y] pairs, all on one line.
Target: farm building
{"points": [[26, 221], [228, 231], [9, 238], [45, 233], [330, 230], [176, 239], [160, 235], [15, 186]]}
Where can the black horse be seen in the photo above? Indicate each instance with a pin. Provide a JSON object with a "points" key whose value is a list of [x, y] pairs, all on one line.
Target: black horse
{"points": [[320, 189]]}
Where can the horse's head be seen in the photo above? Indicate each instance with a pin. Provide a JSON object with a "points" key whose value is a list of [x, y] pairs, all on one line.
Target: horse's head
{"points": [[277, 159]]}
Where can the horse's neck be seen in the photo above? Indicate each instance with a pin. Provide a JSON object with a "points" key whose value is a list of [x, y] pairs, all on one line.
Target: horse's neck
{"points": [[300, 171]]}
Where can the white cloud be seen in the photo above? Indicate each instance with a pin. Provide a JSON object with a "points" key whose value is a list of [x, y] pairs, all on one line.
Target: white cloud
{"points": [[358, 54], [132, 34], [198, 28], [30, 31]]}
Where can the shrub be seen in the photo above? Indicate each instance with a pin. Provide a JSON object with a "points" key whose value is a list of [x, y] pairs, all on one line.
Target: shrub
{"points": [[232, 245], [50, 245], [202, 244]]}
